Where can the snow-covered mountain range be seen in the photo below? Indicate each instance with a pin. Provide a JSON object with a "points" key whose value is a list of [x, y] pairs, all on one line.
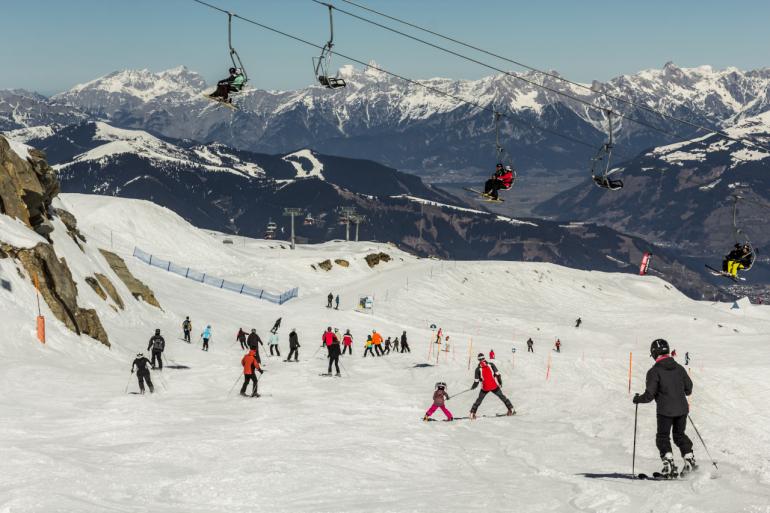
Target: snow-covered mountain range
{"points": [[404, 125]]}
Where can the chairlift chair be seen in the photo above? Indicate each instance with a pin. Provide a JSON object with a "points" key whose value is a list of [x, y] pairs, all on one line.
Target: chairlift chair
{"points": [[740, 236], [601, 169], [321, 64], [501, 155]]}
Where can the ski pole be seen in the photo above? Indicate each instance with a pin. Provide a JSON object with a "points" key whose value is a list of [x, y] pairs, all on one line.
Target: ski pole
{"points": [[129, 381], [633, 457], [701, 441], [460, 393], [234, 383]]}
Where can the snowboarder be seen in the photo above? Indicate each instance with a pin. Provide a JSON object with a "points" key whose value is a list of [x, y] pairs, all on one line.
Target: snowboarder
{"points": [[293, 346], [250, 368], [232, 84], [157, 345], [329, 300], [502, 179], [142, 372], [687, 358], [491, 380], [334, 354], [377, 341], [557, 346], [368, 346], [337, 302], [491, 354], [273, 343], [669, 385], [404, 343], [206, 336], [347, 342], [253, 341], [276, 325], [578, 322], [187, 328], [439, 397], [241, 337], [530, 345], [387, 346]]}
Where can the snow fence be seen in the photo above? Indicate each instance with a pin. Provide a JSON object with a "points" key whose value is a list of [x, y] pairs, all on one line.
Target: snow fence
{"points": [[192, 274]]}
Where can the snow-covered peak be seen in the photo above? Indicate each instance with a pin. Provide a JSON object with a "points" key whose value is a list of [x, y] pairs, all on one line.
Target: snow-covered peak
{"points": [[142, 84]]}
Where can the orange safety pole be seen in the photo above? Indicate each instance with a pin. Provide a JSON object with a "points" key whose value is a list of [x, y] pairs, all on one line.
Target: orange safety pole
{"points": [[630, 366], [40, 318], [548, 370]]}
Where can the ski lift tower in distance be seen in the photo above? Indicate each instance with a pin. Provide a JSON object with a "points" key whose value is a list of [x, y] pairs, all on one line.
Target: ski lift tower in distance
{"points": [[292, 212], [357, 219], [347, 213]]}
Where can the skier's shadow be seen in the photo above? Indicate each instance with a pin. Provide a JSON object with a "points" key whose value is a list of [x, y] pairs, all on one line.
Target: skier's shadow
{"points": [[613, 475], [422, 365], [177, 367]]}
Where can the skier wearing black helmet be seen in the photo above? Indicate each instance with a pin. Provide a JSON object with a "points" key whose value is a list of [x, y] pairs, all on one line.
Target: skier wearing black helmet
{"points": [[669, 385], [142, 372], [232, 84], [157, 345]]}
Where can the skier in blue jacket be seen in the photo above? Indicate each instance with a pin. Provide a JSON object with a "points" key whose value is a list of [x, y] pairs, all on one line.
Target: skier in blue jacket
{"points": [[206, 336]]}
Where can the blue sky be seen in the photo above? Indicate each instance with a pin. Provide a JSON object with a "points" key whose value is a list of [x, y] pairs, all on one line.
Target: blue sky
{"points": [[50, 45]]}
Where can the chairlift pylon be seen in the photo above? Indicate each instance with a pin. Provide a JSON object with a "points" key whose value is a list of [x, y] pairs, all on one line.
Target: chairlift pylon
{"points": [[602, 161], [322, 63]]}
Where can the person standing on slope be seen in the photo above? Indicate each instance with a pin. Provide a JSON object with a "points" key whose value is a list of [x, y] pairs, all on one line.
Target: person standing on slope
{"points": [[142, 372], [404, 343], [557, 346], [273, 343], [329, 300], [187, 328], [327, 339], [334, 354], [347, 343], [578, 322], [157, 345], [337, 302], [206, 336], [669, 385], [439, 397], [293, 346], [387, 346], [253, 341], [491, 354], [530, 345], [377, 342], [491, 380], [250, 369], [241, 337], [368, 346], [395, 344]]}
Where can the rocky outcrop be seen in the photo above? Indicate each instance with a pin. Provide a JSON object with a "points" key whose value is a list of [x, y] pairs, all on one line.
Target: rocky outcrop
{"points": [[139, 290], [326, 265], [71, 223], [342, 263], [110, 289], [27, 187], [375, 258], [58, 289], [97, 288]]}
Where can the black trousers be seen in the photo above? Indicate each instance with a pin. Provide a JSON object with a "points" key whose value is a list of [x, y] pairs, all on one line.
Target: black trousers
{"points": [[349, 349], [144, 378], [368, 350], [530, 350], [187, 336], [336, 361], [156, 354], [665, 426], [205, 344], [246, 379], [378, 350], [498, 392], [387, 349], [405, 347], [295, 352], [223, 90], [244, 345], [277, 352], [492, 186]]}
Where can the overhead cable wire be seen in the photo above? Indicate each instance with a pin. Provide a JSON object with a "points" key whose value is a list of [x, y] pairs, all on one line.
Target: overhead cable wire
{"points": [[539, 71], [511, 116]]}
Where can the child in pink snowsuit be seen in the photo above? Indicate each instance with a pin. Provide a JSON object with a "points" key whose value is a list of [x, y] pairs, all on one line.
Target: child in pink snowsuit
{"points": [[439, 396]]}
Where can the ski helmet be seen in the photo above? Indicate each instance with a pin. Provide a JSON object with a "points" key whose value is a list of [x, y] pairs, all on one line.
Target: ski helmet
{"points": [[480, 357], [658, 347], [499, 164], [253, 330], [140, 355], [232, 70], [508, 168], [441, 385], [157, 331]]}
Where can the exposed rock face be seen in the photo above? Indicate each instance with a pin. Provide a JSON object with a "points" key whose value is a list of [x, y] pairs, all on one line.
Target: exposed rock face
{"points": [[72, 226], [375, 258], [27, 187], [326, 265], [342, 263], [97, 288], [138, 289], [111, 290], [59, 290]]}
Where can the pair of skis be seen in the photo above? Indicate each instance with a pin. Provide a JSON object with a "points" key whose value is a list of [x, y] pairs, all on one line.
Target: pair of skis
{"points": [[484, 196], [717, 272]]}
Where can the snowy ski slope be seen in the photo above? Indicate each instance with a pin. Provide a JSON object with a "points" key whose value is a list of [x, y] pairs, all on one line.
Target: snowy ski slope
{"points": [[73, 441]]}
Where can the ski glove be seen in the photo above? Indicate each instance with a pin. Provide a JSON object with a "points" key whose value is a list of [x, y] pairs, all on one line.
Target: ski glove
{"points": [[475, 384], [636, 399]]}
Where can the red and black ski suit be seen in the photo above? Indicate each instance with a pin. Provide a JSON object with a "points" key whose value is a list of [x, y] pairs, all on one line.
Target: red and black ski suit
{"points": [[490, 379], [502, 180], [250, 369]]}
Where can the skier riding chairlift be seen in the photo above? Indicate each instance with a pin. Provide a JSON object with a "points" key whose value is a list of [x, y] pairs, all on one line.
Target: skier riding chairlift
{"points": [[238, 78]]}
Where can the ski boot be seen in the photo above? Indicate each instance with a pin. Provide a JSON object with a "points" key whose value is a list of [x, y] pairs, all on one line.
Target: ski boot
{"points": [[689, 464], [255, 395], [472, 415], [669, 470], [243, 394], [338, 375], [510, 412], [426, 418]]}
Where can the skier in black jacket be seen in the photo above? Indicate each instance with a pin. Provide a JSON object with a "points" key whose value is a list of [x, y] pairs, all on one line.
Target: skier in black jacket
{"points": [[405, 343], [669, 385], [276, 325], [254, 342], [142, 372], [334, 356], [157, 345], [293, 346]]}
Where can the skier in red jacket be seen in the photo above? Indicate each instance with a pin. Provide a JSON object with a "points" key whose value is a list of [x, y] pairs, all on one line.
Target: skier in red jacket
{"points": [[327, 339], [502, 179], [490, 379], [491, 354], [347, 342], [250, 369]]}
